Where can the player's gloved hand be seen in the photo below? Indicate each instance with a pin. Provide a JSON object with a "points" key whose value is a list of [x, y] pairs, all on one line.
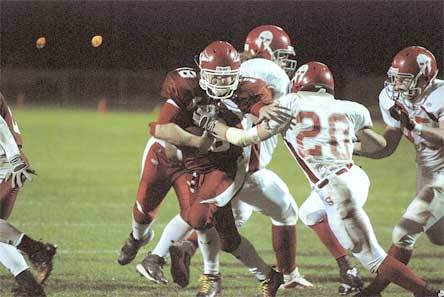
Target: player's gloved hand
{"points": [[395, 111], [399, 113], [20, 172], [407, 121], [206, 141], [205, 117], [275, 112]]}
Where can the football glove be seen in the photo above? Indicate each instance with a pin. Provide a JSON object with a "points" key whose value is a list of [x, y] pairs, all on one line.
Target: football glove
{"points": [[399, 113], [20, 172]]}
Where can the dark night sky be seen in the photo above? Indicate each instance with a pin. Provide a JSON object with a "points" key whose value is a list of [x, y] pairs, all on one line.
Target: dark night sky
{"points": [[357, 35]]}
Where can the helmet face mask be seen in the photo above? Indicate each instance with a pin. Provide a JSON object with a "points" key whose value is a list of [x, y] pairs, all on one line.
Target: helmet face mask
{"points": [[219, 65], [220, 83], [285, 59]]}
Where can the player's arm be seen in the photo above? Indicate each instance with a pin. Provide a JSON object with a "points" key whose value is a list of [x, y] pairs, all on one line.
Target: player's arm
{"points": [[433, 135], [375, 146], [240, 137], [175, 135], [165, 129]]}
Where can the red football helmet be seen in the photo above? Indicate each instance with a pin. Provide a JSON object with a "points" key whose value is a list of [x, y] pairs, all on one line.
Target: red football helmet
{"points": [[219, 65], [311, 77], [412, 71], [272, 43]]}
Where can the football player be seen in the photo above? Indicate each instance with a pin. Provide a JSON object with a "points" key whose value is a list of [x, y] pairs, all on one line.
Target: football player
{"points": [[412, 104], [267, 44], [321, 141], [14, 171], [263, 190], [219, 63]]}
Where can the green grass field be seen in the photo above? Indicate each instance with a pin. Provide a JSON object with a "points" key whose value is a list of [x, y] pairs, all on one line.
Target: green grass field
{"points": [[88, 166]]}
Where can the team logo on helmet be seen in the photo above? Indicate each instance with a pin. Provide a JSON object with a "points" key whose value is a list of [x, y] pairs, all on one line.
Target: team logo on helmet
{"points": [[424, 63], [300, 73], [264, 39]]}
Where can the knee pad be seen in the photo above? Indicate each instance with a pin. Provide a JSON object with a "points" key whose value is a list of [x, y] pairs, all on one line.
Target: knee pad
{"points": [[287, 217], [311, 217], [371, 258]]}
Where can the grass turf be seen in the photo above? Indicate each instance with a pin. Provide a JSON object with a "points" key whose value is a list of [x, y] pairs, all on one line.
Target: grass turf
{"points": [[88, 166]]}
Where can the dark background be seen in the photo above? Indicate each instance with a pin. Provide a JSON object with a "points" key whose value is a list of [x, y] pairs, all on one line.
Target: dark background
{"points": [[143, 40]]}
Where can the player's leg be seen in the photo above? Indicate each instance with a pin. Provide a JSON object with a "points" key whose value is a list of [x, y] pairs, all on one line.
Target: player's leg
{"points": [[267, 193], [353, 229], [11, 258], [154, 185], [182, 251], [242, 249], [425, 213], [8, 196], [313, 214]]}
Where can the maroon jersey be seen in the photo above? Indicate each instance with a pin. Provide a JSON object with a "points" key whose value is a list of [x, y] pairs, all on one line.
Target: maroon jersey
{"points": [[183, 94], [5, 113]]}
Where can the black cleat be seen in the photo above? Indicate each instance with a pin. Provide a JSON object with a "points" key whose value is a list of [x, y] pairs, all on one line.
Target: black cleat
{"points": [[210, 285], [131, 246], [28, 286], [152, 268], [271, 284], [429, 291], [180, 255], [42, 260], [350, 281]]}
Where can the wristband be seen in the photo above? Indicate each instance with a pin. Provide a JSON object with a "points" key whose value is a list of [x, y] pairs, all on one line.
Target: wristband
{"points": [[241, 137]]}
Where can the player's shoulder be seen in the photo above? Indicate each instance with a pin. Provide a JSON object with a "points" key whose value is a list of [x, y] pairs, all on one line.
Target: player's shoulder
{"points": [[435, 98], [259, 67], [181, 85], [182, 77], [385, 102], [352, 107], [250, 85]]}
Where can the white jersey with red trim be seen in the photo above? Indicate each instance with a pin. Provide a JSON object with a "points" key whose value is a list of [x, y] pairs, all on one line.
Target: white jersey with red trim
{"points": [[322, 139], [428, 113], [276, 78]]}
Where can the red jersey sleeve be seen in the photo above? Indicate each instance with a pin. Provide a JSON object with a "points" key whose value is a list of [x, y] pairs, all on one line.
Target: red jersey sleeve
{"points": [[182, 86], [6, 113], [252, 95]]}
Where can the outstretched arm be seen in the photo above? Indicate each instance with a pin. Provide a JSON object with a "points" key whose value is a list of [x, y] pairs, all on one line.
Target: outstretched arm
{"points": [[375, 146], [177, 136]]}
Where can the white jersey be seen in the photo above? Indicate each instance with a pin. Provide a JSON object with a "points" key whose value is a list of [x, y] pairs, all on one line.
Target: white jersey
{"points": [[276, 78], [429, 113], [322, 139]]}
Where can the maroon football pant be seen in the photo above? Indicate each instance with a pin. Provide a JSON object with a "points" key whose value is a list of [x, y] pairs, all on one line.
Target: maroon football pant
{"points": [[154, 185], [192, 189]]}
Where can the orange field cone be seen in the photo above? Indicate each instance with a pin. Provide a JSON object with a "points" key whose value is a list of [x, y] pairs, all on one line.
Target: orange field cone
{"points": [[101, 106], [21, 101]]}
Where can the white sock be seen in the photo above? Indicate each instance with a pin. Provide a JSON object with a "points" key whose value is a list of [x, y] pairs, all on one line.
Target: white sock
{"points": [[9, 234], [11, 258], [209, 245], [140, 231], [247, 255], [177, 229]]}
